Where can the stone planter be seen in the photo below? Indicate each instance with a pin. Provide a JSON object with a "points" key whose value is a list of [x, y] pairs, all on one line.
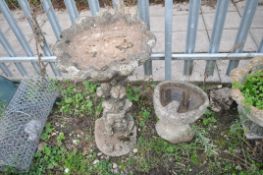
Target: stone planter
{"points": [[107, 49], [251, 117], [177, 105]]}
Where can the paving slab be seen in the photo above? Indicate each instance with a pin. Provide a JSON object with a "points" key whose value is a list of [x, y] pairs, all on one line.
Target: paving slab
{"points": [[179, 42], [232, 20], [206, 8], [179, 23], [228, 40]]}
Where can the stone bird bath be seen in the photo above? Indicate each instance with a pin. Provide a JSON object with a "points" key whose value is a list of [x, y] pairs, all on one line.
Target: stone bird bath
{"points": [[177, 105], [107, 49]]}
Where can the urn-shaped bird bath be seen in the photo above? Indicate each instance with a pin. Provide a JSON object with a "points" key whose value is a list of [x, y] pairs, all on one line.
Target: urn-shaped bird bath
{"points": [[250, 115], [107, 49], [177, 105]]}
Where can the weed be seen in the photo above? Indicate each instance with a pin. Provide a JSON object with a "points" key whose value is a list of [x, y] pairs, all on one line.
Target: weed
{"points": [[80, 102], [60, 138], [102, 167], [202, 139], [209, 118], [133, 93], [48, 129], [90, 87], [75, 163], [252, 89], [144, 116]]}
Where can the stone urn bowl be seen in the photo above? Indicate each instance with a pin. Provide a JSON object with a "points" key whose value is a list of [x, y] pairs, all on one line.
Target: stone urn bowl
{"points": [[107, 49], [251, 117], [177, 105]]}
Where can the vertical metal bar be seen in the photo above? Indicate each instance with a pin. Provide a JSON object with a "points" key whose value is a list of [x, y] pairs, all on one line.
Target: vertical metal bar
{"points": [[143, 6], [5, 70], [25, 6], [219, 21], [18, 33], [11, 53], [260, 48], [72, 10], [191, 33], [117, 4], [94, 7], [48, 8], [168, 38], [250, 9]]}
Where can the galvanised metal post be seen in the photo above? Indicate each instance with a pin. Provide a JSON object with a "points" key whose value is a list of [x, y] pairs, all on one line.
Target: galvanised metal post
{"points": [[250, 9], [207, 56], [18, 33], [260, 48], [117, 4], [11, 53], [48, 8], [168, 38], [94, 7], [72, 10], [219, 21], [143, 6], [191, 33], [25, 6], [5, 70]]}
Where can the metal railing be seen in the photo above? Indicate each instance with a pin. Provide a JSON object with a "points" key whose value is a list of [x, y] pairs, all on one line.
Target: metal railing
{"points": [[168, 56]]}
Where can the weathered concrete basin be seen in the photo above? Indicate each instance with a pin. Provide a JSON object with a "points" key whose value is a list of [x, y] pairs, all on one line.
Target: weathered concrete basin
{"points": [[177, 105], [251, 117]]}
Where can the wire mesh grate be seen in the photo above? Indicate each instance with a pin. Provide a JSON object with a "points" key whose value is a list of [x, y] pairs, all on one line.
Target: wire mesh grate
{"points": [[23, 120]]}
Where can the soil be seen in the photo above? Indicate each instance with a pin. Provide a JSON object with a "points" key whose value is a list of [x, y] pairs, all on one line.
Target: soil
{"points": [[101, 45], [79, 134]]}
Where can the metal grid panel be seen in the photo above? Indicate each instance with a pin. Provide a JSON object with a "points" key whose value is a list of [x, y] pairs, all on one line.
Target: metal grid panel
{"points": [[23, 121]]}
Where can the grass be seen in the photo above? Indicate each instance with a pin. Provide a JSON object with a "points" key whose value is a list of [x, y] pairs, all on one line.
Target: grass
{"points": [[67, 143]]}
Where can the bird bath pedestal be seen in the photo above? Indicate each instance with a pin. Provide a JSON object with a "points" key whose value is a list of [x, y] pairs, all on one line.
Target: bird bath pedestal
{"points": [[107, 49]]}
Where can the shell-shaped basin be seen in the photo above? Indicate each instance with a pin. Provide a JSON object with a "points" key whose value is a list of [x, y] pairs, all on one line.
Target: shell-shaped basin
{"points": [[239, 75], [179, 102], [102, 47]]}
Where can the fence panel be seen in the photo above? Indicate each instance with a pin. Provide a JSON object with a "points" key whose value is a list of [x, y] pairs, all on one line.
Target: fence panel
{"points": [[143, 10], [250, 10]]}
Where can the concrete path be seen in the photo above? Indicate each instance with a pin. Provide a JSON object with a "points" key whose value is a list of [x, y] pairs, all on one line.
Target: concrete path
{"points": [[205, 26]]}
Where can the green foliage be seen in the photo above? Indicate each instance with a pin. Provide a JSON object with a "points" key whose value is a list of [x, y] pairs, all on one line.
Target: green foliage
{"points": [[102, 167], [236, 135], [133, 93], [90, 87], [48, 129], [209, 118], [252, 89], [60, 138], [50, 156], [80, 102], [75, 163], [210, 152], [203, 139], [144, 116]]}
